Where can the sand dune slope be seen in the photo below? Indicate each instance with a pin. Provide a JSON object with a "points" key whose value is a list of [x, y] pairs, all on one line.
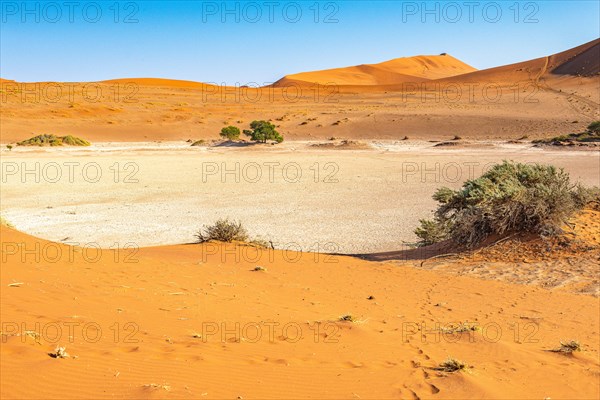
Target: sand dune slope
{"points": [[582, 60], [194, 322], [426, 97], [399, 70]]}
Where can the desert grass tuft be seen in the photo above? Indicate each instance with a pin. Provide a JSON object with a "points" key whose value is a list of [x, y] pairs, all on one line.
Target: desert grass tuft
{"points": [[451, 365], [568, 347]]}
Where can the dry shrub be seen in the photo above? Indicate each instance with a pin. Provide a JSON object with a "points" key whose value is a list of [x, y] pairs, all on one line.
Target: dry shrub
{"points": [[223, 230], [509, 198]]}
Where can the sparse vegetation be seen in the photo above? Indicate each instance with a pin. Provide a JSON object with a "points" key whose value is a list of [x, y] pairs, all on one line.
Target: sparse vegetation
{"points": [[509, 198], [259, 268], [451, 365], [263, 131], [568, 347], [52, 140], [9, 147], [223, 230], [59, 352], [347, 318], [198, 142], [157, 386], [592, 135], [460, 328], [230, 133], [594, 127]]}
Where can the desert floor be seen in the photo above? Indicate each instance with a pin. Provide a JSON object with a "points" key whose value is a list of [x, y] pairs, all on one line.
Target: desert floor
{"points": [[196, 321], [298, 196]]}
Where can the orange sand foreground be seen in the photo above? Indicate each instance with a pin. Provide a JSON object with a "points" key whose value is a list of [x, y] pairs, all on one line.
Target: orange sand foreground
{"points": [[195, 321]]}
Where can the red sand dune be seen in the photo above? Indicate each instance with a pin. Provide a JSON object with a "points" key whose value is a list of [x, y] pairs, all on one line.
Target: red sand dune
{"points": [[399, 70], [582, 60]]}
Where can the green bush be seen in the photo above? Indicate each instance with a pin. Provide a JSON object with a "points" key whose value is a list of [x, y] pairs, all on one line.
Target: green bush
{"points": [[223, 230], [230, 133], [74, 141], [261, 131], [53, 140], [509, 198], [431, 231], [594, 128]]}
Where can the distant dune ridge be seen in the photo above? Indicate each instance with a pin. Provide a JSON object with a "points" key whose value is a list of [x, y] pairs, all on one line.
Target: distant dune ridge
{"points": [[583, 60]]}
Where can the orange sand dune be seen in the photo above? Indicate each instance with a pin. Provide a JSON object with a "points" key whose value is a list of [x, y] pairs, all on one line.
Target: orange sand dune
{"points": [[158, 82], [581, 60], [195, 321], [399, 70], [544, 97]]}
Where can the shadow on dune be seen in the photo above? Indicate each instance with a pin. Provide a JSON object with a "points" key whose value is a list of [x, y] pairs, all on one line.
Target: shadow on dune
{"points": [[418, 253]]}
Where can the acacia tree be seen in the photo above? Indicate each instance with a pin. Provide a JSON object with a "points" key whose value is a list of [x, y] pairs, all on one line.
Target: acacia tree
{"points": [[230, 133], [261, 131]]}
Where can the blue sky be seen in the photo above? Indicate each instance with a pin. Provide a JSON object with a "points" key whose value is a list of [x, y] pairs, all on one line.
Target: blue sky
{"points": [[263, 40]]}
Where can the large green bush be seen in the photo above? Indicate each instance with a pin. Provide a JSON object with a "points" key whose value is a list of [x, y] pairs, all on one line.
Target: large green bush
{"points": [[509, 198], [261, 131], [230, 133], [594, 128]]}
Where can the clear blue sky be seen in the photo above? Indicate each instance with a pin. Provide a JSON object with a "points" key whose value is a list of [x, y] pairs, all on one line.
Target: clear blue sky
{"points": [[189, 39]]}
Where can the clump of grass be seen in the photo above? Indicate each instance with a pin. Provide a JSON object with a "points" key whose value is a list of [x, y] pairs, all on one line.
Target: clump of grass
{"points": [[198, 142], [347, 318], [568, 347], [157, 386], [9, 147], [53, 140], [59, 352], [509, 198], [461, 328], [259, 268], [456, 137], [223, 230], [451, 365]]}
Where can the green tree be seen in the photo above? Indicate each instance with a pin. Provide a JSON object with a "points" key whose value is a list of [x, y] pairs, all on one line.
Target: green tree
{"points": [[230, 133], [261, 131], [594, 127]]}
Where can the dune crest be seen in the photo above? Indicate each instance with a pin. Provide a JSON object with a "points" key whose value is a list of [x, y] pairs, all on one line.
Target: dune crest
{"points": [[399, 70]]}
